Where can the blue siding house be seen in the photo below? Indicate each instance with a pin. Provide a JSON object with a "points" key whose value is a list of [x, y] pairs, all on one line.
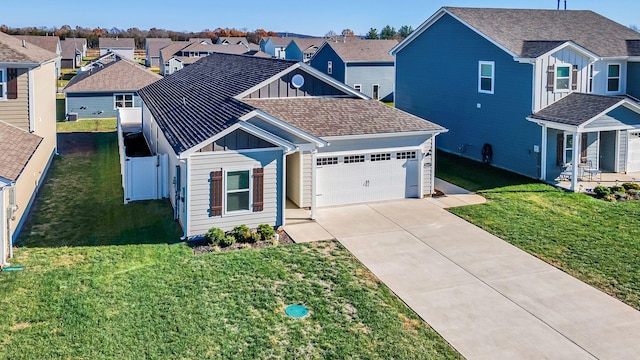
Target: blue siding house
{"points": [[364, 65], [107, 84], [514, 95], [302, 49]]}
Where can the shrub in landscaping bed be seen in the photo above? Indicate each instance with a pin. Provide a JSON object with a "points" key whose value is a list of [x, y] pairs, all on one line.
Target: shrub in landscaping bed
{"points": [[241, 233], [227, 241], [214, 236], [266, 231], [631, 186], [601, 191]]}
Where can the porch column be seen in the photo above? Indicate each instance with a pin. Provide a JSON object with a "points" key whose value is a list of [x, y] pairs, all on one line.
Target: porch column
{"points": [[575, 161], [543, 153]]}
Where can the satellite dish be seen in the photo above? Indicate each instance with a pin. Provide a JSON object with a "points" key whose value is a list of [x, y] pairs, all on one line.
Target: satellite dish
{"points": [[297, 81]]}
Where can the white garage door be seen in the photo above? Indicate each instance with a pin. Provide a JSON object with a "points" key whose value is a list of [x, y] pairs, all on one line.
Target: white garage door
{"points": [[633, 157], [349, 179]]}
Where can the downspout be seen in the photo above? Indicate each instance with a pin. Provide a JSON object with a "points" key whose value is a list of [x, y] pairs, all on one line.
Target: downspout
{"points": [[185, 236], [5, 221], [543, 153]]}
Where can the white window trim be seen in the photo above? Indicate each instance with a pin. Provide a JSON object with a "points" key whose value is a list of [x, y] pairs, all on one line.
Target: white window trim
{"points": [[133, 100], [493, 77], [3, 81], [330, 67], [556, 78], [567, 148], [591, 70], [357, 87], [225, 191], [619, 78], [373, 91]]}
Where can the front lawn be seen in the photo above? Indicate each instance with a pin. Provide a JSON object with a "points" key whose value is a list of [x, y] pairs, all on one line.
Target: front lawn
{"points": [[100, 282], [87, 125], [593, 240]]}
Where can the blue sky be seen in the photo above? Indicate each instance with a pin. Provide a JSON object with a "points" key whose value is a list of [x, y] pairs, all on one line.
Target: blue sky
{"points": [[308, 17]]}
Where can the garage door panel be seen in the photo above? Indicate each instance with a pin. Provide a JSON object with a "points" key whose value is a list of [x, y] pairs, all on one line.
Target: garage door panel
{"points": [[633, 156]]}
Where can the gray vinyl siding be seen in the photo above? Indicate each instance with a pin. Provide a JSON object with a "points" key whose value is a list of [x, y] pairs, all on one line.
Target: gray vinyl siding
{"points": [[323, 56], [623, 142], [16, 111], [566, 56], [307, 178], [618, 117], [633, 79], [200, 167], [368, 74], [282, 87], [592, 149], [437, 79], [96, 105], [125, 52]]}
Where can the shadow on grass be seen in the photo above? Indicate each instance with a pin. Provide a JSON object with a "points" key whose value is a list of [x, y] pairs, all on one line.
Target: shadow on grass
{"points": [[81, 201]]}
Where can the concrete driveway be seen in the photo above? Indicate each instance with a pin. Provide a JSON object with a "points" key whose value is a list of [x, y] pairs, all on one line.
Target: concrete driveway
{"points": [[489, 299]]}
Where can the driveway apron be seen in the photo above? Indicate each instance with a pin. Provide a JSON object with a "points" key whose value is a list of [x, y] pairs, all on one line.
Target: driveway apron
{"points": [[489, 299]]}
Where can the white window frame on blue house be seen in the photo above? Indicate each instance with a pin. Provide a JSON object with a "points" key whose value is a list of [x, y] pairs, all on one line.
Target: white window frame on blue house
{"points": [[330, 67], [124, 100], [591, 73], [3, 84], [492, 77], [357, 87], [558, 78], [618, 78], [226, 190]]}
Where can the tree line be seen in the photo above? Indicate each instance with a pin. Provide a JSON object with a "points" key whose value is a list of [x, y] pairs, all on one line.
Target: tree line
{"points": [[93, 34], [389, 33]]}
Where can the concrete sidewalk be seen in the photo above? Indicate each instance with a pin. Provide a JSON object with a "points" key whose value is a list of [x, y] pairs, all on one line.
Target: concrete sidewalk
{"points": [[489, 299]]}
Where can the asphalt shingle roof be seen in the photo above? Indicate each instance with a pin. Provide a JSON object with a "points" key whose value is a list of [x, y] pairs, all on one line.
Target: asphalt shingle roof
{"points": [[120, 75], [513, 28], [16, 148], [12, 51], [197, 102], [70, 45], [49, 43], [342, 116], [155, 44], [116, 42], [576, 108], [356, 50]]}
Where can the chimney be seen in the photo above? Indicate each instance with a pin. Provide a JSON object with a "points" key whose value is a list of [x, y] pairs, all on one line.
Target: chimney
{"points": [[24, 43]]}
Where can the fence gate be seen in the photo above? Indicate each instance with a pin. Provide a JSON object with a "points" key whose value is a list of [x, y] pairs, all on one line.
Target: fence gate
{"points": [[145, 177]]}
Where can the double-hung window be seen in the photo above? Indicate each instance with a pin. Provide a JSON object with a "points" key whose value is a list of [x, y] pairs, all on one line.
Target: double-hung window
{"points": [[486, 77], [329, 67], [238, 191], [613, 78], [563, 78], [3, 84], [123, 101], [591, 78]]}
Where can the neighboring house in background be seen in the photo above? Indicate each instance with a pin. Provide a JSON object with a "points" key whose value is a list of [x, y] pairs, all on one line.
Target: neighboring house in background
{"points": [[300, 49], [180, 55], [124, 47], [244, 134], [73, 51], [231, 40], [275, 46], [365, 65], [49, 43], [152, 50], [109, 83], [546, 89], [27, 131]]}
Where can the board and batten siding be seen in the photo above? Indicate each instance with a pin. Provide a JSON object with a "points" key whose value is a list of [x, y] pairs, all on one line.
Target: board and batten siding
{"points": [[437, 80], [282, 87], [16, 111], [96, 105], [543, 96], [633, 79], [369, 74], [198, 201]]}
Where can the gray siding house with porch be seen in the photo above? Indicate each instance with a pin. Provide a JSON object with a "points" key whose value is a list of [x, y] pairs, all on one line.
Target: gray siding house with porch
{"points": [[551, 92]]}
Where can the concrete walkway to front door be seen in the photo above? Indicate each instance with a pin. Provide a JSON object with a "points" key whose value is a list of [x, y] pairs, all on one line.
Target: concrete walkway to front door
{"points": [[489, 299]]}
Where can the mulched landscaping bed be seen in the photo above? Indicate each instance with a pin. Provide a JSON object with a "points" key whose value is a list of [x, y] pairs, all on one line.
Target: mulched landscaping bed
{"points": [[202, 247]]}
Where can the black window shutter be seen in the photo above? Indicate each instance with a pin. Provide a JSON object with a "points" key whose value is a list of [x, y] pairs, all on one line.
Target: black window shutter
{"points": [[560, 150], [215, 203], [551, 77], [258, 189], [574, 77], [12, 83]]}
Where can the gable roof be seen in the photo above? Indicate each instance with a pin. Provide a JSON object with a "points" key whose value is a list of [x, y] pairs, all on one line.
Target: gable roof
{"points": [[12, 51], [306, 43], [70, 46], [233, 40], [153, 45], [577, 108], [198, 102], [119, 75], [324, 117], [16, 148], [357, 50], [280, 41], [105, 42], [513, 28], [49, 43], [168, 51]]}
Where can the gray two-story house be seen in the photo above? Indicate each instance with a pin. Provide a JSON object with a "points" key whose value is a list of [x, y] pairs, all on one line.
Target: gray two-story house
{"points": [[531, 91]]}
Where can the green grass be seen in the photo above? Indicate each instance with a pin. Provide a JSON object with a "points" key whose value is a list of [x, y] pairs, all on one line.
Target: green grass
{"points": [[87, 125], [593, 240], [60, 109], [144, 299]]}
